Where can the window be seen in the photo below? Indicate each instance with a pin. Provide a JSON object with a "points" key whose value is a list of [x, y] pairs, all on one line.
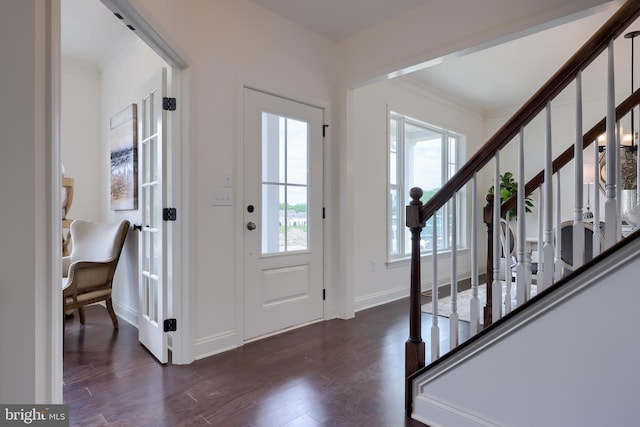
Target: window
{"points": [[420, 155]]}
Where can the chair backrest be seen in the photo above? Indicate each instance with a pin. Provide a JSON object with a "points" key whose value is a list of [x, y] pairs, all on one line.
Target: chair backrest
{"points": [[566, 243], [94, 241], [503, 239]]}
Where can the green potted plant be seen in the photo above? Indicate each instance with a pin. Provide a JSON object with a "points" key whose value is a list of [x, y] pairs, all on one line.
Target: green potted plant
{"points": [[509, 187]]}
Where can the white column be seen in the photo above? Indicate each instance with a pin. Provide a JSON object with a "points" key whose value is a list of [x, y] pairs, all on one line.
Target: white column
{"points": [[522, 266], [475, 302], [496, 286], [610, 205], [578, 224], [547, 246]]}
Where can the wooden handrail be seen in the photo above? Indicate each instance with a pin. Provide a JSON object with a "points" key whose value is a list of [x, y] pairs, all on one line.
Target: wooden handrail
{"points": [[567, 155], [624, 17]]}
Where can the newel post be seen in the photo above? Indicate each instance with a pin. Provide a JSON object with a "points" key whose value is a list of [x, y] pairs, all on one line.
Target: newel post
{"points": [[414, 348], [488, 220]]}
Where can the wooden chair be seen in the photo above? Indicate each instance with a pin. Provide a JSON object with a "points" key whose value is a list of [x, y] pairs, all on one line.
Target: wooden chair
{"points": [[88, 272]]}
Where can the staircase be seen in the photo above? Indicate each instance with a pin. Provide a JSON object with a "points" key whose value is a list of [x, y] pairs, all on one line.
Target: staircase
{"points": [[566, 356]]}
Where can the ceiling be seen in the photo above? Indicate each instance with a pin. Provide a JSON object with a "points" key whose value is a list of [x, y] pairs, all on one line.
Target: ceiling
{"points": [[339, 19], [489, 80]]}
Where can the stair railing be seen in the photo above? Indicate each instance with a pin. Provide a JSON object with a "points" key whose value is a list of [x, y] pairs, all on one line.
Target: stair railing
{"points": [[418, 214]]}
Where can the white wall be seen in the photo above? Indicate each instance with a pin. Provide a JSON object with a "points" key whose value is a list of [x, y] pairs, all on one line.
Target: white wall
{"points": [[370, 192], [228, 44], [123, 78], [82, 137], [26, 374]]}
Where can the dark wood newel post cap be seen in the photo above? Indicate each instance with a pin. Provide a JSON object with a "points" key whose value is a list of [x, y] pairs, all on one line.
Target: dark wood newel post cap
{"points": [[416, 193]]}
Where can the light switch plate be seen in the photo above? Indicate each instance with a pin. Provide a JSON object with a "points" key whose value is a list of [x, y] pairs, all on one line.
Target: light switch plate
{"points": [[223, 198]]}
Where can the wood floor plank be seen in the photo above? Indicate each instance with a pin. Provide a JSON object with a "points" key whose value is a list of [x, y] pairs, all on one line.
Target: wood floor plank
{"points": [[333, 373]]}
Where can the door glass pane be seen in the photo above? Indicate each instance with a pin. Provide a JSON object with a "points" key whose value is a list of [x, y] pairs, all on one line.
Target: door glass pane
{"points": [[297, 162], [296, 229], [273, 218], [285, 170]]}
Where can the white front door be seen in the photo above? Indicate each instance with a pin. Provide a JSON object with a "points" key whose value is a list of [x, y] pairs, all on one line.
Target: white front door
{"points": [[283, 214], [152, 287]]}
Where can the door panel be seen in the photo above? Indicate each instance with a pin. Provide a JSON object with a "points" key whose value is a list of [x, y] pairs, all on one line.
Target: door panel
{"points": [[283, 236], [152, 288]]}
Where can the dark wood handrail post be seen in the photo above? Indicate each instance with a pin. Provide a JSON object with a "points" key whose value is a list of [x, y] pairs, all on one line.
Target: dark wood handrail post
{"points": [[414, 348], [488, 219]]}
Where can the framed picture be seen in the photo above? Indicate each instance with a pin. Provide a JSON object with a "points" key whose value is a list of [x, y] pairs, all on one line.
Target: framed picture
{"points": [[123, 142]]}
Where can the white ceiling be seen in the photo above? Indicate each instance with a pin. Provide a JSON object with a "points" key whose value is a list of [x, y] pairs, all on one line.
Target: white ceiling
{"points": [[489, 80], [339, 19], [90, 32]]}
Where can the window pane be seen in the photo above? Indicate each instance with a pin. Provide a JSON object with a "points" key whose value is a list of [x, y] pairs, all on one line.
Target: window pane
{"points": [[393, 152], [395, 222], [273, 218], [297, 160], [296, 219], [423, 158], [272, 148]]}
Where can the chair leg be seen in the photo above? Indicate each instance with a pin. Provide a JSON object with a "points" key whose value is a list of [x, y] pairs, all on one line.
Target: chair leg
{"points": [[112, 313], [81, 313]]}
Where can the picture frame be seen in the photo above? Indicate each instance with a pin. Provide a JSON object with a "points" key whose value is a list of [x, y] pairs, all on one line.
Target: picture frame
{"points": [[123, 144]]}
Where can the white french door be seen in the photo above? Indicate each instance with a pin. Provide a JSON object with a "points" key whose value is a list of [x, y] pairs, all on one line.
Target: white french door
{"points": [[283, 210], [152, 287]]}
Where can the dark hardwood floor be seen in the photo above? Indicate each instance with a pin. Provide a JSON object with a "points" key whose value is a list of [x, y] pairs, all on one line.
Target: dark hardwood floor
{"points": [[333, 373]]}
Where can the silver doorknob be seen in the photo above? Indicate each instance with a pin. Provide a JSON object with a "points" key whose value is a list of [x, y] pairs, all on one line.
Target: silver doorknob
{"points": [[251, 225]]}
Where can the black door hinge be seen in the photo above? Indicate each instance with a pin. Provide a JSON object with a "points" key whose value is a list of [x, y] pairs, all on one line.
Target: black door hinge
{"points": [[323, 213], [324, 130], [169, 104], [170, 325], [324, 294], [169, 214]]}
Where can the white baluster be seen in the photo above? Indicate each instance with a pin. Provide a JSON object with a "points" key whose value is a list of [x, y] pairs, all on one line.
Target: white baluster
{"points": [[523, 267], [453, 318], [435, 328], [618, 182], [539, 237], [637, 175], [475, 302], [610, 205], [547, 247], [507, 264], [596, 201], [578, 224], [557, 275], [496, 286]]}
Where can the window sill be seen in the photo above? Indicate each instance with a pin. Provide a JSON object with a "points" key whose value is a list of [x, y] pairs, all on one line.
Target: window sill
{"points": [[406, 261]]}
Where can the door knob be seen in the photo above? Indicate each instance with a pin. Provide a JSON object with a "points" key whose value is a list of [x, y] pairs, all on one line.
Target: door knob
{"points": [[251, 225]]}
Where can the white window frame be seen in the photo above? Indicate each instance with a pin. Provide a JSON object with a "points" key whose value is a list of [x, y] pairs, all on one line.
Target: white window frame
{"points": [[398, 236]]}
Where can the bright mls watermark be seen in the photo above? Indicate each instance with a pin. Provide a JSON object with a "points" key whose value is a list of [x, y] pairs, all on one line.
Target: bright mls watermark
{"points": [[34, 415]]}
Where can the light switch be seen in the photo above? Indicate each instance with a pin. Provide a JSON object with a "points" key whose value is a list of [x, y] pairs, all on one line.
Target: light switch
{"points": [[222, 198], [227, 180]]}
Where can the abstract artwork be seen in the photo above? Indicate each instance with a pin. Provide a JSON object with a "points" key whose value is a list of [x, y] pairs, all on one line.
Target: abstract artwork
{"points": [[123, 142]]}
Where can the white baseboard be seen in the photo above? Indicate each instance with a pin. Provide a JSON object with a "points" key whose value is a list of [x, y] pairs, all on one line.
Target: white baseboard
{"points": [[436, 413], [214, 344], [390, 295], [379, 298], [126, 313]]}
